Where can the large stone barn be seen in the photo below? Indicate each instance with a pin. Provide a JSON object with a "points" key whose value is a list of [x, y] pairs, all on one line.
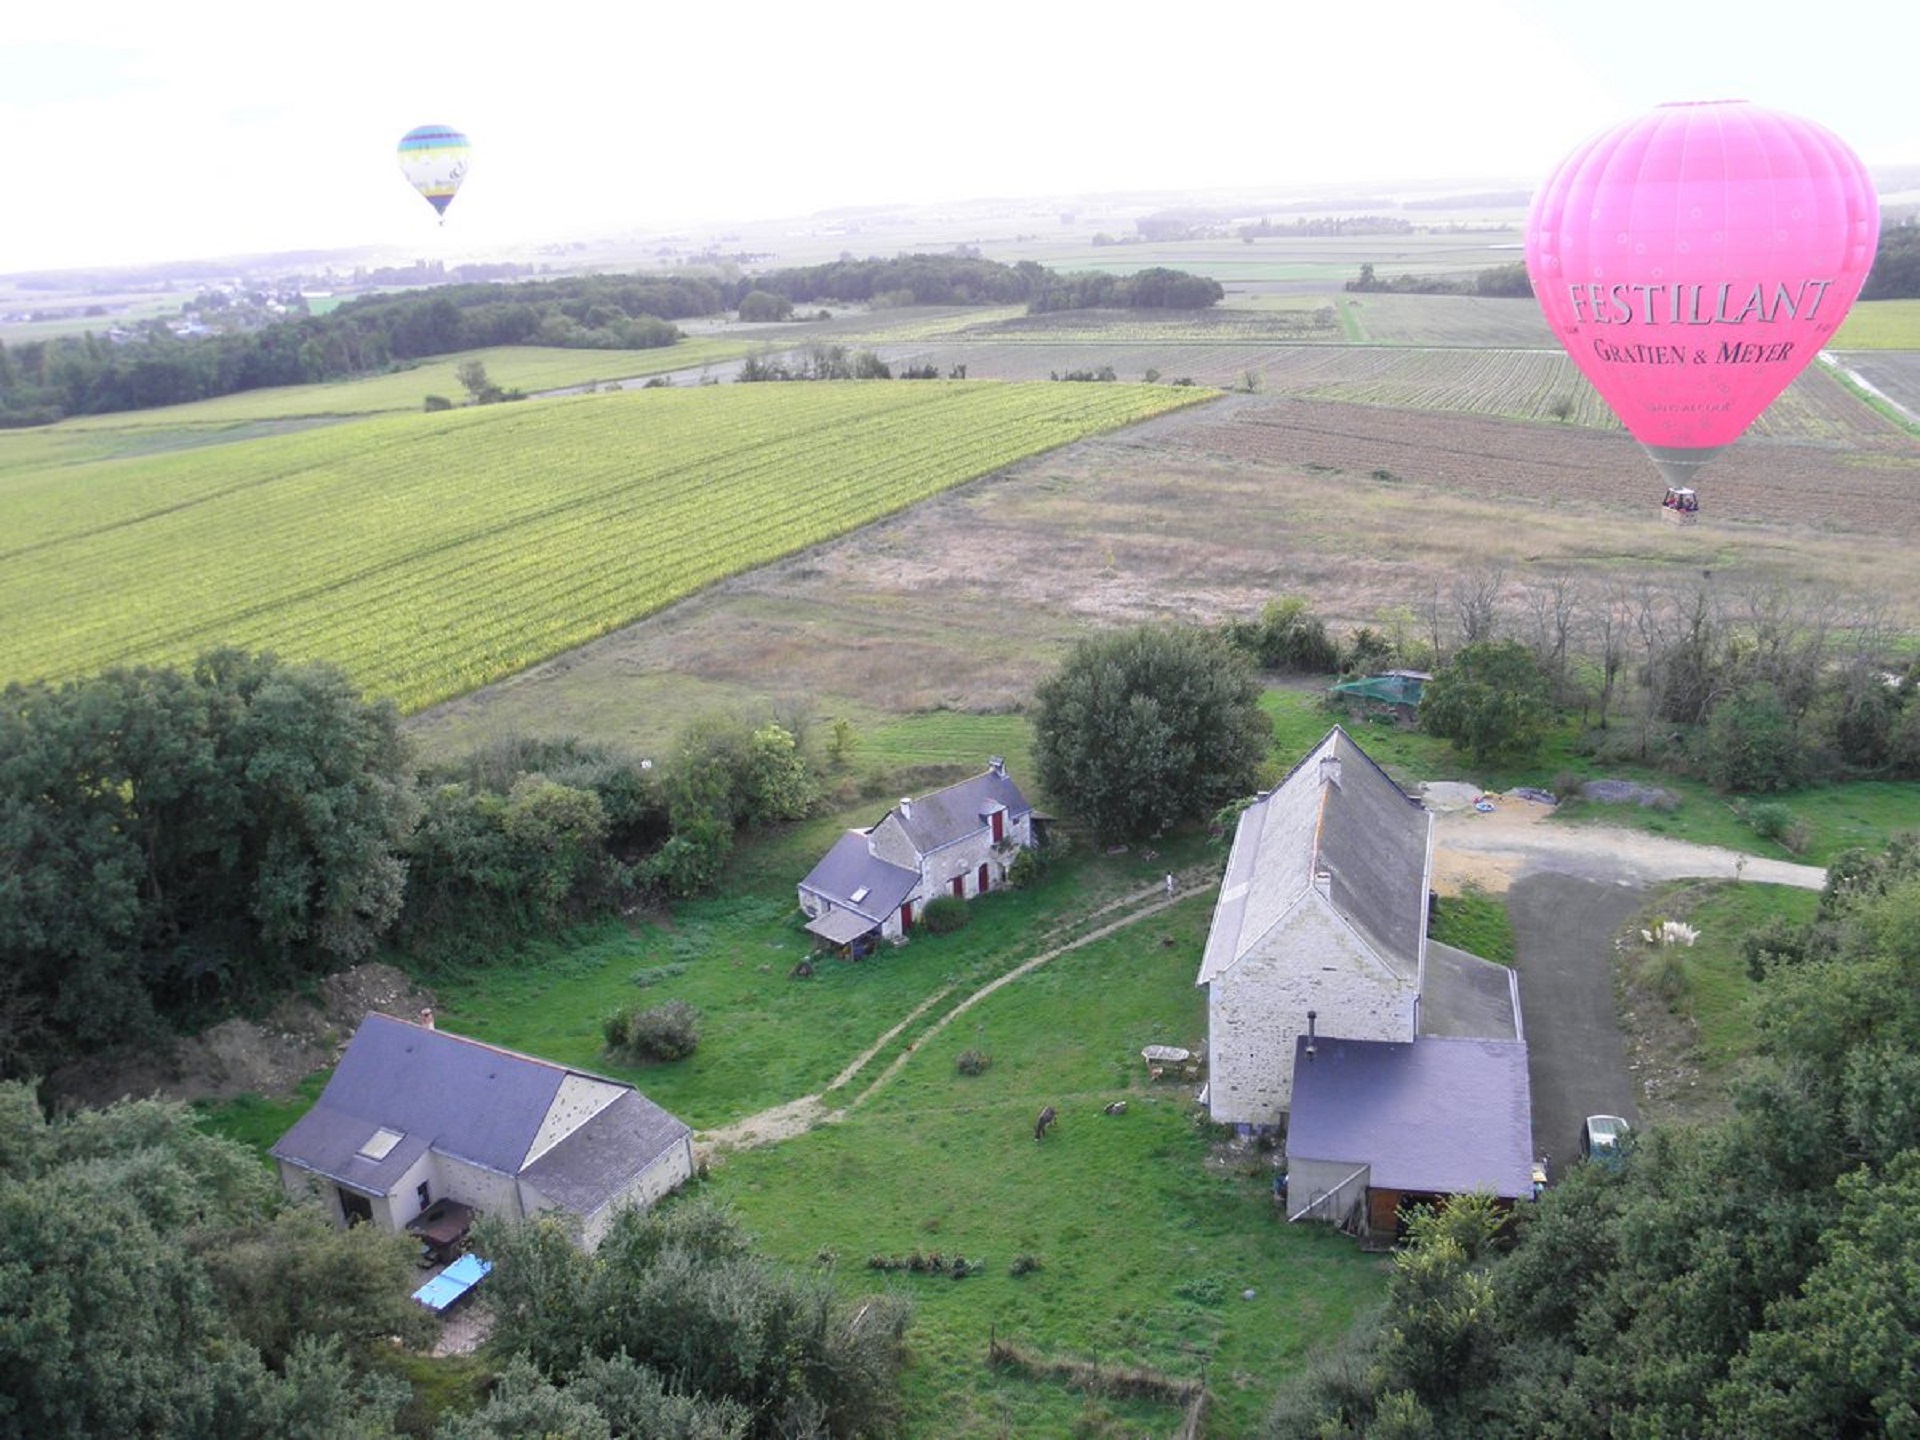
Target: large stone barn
{"points": [[959, 841], [1395, 1066], [1321, 919], [419, 1128]]}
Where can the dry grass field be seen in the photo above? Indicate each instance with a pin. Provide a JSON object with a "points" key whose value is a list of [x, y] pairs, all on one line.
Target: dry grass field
{"points": [[965, 601]]}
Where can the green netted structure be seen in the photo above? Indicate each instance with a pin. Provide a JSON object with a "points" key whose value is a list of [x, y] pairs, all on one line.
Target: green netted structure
{"points": [[1396, 687]]}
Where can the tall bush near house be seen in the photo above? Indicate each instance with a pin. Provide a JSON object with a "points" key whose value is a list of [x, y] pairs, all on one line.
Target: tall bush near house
{"points": [[944, 914]]}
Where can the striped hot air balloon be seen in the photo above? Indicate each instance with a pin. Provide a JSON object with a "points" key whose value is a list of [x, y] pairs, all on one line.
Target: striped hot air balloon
{"points": [[434, 158]]}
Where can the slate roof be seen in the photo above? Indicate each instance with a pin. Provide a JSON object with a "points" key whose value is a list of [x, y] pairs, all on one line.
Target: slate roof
{"points": [[841, 926], [595, 1163], [1438, 1115], [1366, 834], [1464, 996], [848, 866], [443, 1092], [941, 818]]}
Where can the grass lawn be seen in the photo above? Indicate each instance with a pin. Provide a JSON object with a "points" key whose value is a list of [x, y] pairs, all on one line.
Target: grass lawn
{"points": [[1147, 1246]]}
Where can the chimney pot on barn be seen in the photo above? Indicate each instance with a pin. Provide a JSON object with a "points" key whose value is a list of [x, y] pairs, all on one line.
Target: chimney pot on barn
{"points": [[426, 1018], [998, 764], [1323, 881], [1330, 769], [906, 807]]}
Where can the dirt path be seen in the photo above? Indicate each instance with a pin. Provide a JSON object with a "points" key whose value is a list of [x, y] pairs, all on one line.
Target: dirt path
{"points": [[796, 1117]]}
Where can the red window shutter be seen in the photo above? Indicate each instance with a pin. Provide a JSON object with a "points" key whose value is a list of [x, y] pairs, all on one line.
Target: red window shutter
{"points": [[999, 826], [981, 886], [960, 887]]}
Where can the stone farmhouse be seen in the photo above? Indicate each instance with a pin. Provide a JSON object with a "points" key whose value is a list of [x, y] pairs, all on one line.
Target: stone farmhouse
{"points": [[416, 1122], [959, 841], [1395, 1066]]}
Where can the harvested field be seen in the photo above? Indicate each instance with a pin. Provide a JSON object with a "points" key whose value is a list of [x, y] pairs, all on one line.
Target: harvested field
{"points": [[1819, 486]]}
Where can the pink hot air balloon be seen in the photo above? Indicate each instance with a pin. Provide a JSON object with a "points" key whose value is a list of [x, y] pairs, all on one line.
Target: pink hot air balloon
{"points": [[1693, 260]]}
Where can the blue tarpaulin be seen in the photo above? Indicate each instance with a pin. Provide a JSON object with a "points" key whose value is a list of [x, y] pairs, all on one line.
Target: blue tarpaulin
{"points": [[453, 1282]]}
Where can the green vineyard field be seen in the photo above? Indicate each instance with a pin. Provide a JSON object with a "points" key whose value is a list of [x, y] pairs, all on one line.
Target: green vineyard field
{"points": [[429, 554]]}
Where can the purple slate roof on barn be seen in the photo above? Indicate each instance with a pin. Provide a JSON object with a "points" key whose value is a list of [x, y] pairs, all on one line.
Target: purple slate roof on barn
{"points": [[851, 867], [1439, 1115], [455, 1096], [1340, 815], [945, 816]]}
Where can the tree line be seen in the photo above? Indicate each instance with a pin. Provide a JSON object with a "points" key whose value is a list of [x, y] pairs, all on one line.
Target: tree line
{"points": [[177, 843], [1754, 690], [45, 380], [1896, 264], [1505, 282]]}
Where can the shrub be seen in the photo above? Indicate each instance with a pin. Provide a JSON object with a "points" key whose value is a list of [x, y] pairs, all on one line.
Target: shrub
{"points": [[974, 1062], [438, 402], [1770, 822], [1752, 745], [1024, 1264], [1027, 868], [944, 915], [1664, 973], [616, 1029], [666, 1032]]}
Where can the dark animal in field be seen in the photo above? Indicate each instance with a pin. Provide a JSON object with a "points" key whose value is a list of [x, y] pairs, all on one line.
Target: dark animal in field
{"points": [[1118, 1107], [1040, 1125]]}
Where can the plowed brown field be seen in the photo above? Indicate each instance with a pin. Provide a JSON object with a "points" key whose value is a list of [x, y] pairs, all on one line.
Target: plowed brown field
{"points": [[1870, 485]]}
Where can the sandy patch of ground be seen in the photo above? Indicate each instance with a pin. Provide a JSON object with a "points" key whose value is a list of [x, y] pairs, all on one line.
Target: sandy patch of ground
{"points": [[1491, 848], [1468, 846]]}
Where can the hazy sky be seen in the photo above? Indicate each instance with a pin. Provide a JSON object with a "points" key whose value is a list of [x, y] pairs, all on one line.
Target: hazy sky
{"points": [[151, 131]]}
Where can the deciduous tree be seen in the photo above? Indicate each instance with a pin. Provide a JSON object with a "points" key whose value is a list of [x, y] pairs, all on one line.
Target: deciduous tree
{"points": [[1140, 730], [1490, 700]]}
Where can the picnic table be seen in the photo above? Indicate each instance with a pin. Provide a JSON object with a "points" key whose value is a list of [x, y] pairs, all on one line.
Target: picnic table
{"points": [[440, 1293]]}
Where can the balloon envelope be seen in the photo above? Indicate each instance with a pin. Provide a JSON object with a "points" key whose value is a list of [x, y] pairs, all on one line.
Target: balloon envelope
{"points": [[434, 159], [1694, 260]]}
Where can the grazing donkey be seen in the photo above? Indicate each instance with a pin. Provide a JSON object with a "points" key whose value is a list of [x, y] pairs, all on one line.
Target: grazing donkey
{"points": [[1040, 1125]]}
